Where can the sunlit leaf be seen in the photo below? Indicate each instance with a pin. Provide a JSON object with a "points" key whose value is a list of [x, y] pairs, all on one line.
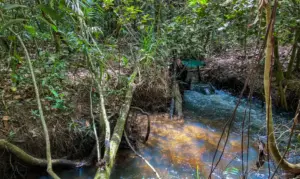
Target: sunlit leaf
{"points": [[54, 93], [54, 28], [13, 89], [30, 29], [125, 60]]}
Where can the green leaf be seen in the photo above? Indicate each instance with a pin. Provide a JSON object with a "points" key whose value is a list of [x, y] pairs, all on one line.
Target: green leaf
{"points": [[49, 98], [195, 2], [125, 60], [13, 6], [54, 93], [30, 29], [11, 37], [13, 89], [54, 27], [54, 14], [43, 19], [12, 22], [44, 82], [203, 2]]}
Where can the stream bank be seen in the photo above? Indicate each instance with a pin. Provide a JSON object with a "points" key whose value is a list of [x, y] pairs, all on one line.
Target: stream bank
{"points": [[70, 125], [182, 148], [229, 71]]}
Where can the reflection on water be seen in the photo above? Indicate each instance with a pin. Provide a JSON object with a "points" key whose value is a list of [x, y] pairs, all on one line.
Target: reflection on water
{"points": [[177, 151], [176, 148]]}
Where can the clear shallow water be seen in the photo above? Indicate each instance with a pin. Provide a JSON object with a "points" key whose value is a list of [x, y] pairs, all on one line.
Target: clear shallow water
{"points": [[177, 149]]}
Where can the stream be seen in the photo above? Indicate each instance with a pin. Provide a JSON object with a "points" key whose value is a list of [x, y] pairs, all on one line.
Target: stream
{"points": [[183, 149]]}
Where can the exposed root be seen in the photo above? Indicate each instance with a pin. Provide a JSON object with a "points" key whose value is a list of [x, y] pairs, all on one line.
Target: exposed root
{"points": [[21, 154], [148, 123]]}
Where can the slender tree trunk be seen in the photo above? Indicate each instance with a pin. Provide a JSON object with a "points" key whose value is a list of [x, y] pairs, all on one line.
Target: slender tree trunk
{"points": [[105, 171], [292, 60], [298, 59], [178, 100], [45, 128], [272, 145], [206, 41], [157, 18], [279, 76], [103, 115]]}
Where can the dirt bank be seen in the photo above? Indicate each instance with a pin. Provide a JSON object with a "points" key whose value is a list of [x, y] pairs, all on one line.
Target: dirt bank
{"points": [[229, 71], [67, 116]]}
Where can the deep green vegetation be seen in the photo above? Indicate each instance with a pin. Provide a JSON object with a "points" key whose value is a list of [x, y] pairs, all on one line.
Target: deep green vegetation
{"points": [[64, 60]]}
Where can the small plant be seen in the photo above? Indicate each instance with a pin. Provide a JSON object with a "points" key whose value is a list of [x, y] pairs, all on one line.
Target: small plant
{"points": [[11, 135], [57, 100]]}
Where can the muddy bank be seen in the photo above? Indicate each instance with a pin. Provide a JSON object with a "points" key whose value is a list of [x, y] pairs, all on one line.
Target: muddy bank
{"points": [[229, 71]]}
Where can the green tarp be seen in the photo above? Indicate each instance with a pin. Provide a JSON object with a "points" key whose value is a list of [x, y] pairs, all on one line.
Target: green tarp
{"points": [[193, 63]]}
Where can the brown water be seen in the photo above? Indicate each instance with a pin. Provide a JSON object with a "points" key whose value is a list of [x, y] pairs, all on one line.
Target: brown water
{"points": [[177, 148]]}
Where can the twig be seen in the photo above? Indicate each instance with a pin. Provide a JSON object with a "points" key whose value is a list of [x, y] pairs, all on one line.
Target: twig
{"points": [[231, 161], [146, 161]]}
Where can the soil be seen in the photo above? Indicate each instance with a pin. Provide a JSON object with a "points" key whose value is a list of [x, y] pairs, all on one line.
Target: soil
{"points": [[230, 70], [70, 129]]}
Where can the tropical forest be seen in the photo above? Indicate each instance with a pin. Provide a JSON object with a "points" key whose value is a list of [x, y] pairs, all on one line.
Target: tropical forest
{"points": [[143, 89]]}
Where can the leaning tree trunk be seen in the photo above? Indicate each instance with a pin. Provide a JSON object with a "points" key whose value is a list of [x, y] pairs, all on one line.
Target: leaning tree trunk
{"points": [[45, 128], [104, 172], [272, 145]]}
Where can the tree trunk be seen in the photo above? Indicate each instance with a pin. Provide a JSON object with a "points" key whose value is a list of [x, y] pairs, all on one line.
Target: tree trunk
{"points": [[292, 60], [297, 67], [45, 128], [272, 145], [279, 76], [105, 171], [178, 100]]}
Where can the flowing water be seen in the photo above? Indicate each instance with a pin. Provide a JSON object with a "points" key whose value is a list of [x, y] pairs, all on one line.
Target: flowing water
{"points": [[184, 149]]}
